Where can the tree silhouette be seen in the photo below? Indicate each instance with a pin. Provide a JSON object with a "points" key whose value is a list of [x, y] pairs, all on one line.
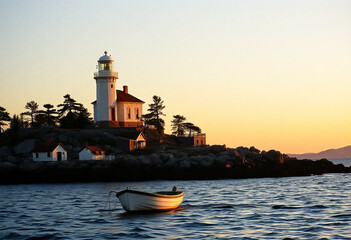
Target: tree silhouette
{"points": [[4, 117], [73, 114], [16, 123], [153, 118], [69, 105], [178, 127], [190, 127], [32, 106], [50, 112]]}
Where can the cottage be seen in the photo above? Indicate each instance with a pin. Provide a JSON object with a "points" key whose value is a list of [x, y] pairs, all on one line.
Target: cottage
{"points": [[49, 152], [196, 139], [91, 153], [129, 141]]}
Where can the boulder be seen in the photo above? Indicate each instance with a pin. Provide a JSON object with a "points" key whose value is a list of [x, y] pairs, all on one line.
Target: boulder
{"points": [[203, 161], [171, 162], [12, 159], [7, 166], [5, 151], [273, 156], [184, 164], [68, 147], [62, 138], [145, 160], [254, 150], [156, 160], [217, 148], [25, 146]]}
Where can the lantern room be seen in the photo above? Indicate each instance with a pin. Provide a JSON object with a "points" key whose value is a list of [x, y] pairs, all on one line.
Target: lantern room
{"points": [[105, 63]]}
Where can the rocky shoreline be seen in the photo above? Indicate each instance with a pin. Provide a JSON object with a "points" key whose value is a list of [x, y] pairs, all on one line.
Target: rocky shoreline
{"points": [[195, 163]]}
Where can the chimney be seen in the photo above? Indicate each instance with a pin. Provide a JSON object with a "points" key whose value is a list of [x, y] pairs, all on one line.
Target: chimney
{"points": [[125, 89]]}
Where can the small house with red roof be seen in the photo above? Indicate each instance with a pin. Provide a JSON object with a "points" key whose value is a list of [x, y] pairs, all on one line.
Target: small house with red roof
{"points": [[91, 153], [44, 152], [114, 108]]}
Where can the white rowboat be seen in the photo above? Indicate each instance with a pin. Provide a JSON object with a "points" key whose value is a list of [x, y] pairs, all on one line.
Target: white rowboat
{"points": [[132, 200]]}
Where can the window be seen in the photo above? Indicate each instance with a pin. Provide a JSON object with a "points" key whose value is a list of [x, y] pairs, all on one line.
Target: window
{"points": [[37, 155], [48, 153], [111, 85], [137, 113], [128, 112]]}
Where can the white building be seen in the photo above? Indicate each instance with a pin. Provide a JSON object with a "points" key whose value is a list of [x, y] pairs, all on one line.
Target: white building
{"points": [[49, 152], [91, 153], [114, 108]]}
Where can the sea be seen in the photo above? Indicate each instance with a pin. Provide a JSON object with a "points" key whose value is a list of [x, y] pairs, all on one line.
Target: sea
{"points": [[310, 207]]}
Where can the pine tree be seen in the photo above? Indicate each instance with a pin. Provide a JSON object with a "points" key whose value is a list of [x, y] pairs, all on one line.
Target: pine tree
{"points": [[178, 127], [32, 106], [50, 112], [153, 118], [4, 117], [73, 114], [190, 127], [69, 105]]}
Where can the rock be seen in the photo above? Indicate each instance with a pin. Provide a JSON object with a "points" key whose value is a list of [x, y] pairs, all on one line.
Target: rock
{"points": [[7, 166], [171, 162], [5, 151], [12, 159], [274, 156], [203, 161], [68, 147], [145, 160], [30, 166], [184, 164], [254, 150], [155, 159], [25, 146], [62, 138], [217, 148]]}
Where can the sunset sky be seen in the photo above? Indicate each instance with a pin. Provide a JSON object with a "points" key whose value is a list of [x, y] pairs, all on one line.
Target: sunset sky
{"points": [[269, 74]]}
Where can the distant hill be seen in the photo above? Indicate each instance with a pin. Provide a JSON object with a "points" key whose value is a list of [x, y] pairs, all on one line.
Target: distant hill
{"points": [[344, 152]]}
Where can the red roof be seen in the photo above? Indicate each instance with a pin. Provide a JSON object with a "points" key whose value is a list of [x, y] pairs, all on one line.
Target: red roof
{"points": [[95, 150], [125, 97]]}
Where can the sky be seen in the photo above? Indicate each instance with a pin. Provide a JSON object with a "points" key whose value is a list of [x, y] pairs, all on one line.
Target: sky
{"points": [[269, 74]]}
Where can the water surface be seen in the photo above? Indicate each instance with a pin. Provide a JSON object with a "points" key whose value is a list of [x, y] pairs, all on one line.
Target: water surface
{"points": [[314, 207]]}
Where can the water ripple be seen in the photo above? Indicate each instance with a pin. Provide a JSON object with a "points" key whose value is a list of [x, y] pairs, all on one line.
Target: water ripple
{"points": [[314, 207]]}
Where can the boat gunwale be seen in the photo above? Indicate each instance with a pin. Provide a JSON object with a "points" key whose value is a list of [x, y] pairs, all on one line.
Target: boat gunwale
{"points": [[180, 194]]}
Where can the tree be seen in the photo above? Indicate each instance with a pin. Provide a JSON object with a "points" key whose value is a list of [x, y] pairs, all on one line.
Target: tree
{"points": [[50, 112], [16, 123], [4, 117], [190, 127], [32, 107], [73, 114], [153, 118], [178, 127], [40, 120], [69, 105], [84, 120]]}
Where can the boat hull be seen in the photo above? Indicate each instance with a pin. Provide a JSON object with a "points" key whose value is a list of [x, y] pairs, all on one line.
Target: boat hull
{"points": [[132, 200]]}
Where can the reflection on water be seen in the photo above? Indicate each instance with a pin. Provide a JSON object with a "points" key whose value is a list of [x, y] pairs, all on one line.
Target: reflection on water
{"points": [[273, 208]]}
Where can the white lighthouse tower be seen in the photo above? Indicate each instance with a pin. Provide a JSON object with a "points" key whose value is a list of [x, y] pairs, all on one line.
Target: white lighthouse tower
{"points": [[105, 106]]}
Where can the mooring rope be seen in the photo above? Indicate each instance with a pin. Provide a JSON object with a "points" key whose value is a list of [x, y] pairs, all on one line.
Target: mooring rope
{"points": [[108, 202]]}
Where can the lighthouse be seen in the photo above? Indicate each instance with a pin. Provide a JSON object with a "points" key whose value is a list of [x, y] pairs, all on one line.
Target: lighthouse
{"points": [[114, 108], [105, 104]]}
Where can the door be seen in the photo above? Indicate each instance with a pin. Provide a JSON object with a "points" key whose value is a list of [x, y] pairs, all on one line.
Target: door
{"points": [[59, 156], [113, 114]]}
